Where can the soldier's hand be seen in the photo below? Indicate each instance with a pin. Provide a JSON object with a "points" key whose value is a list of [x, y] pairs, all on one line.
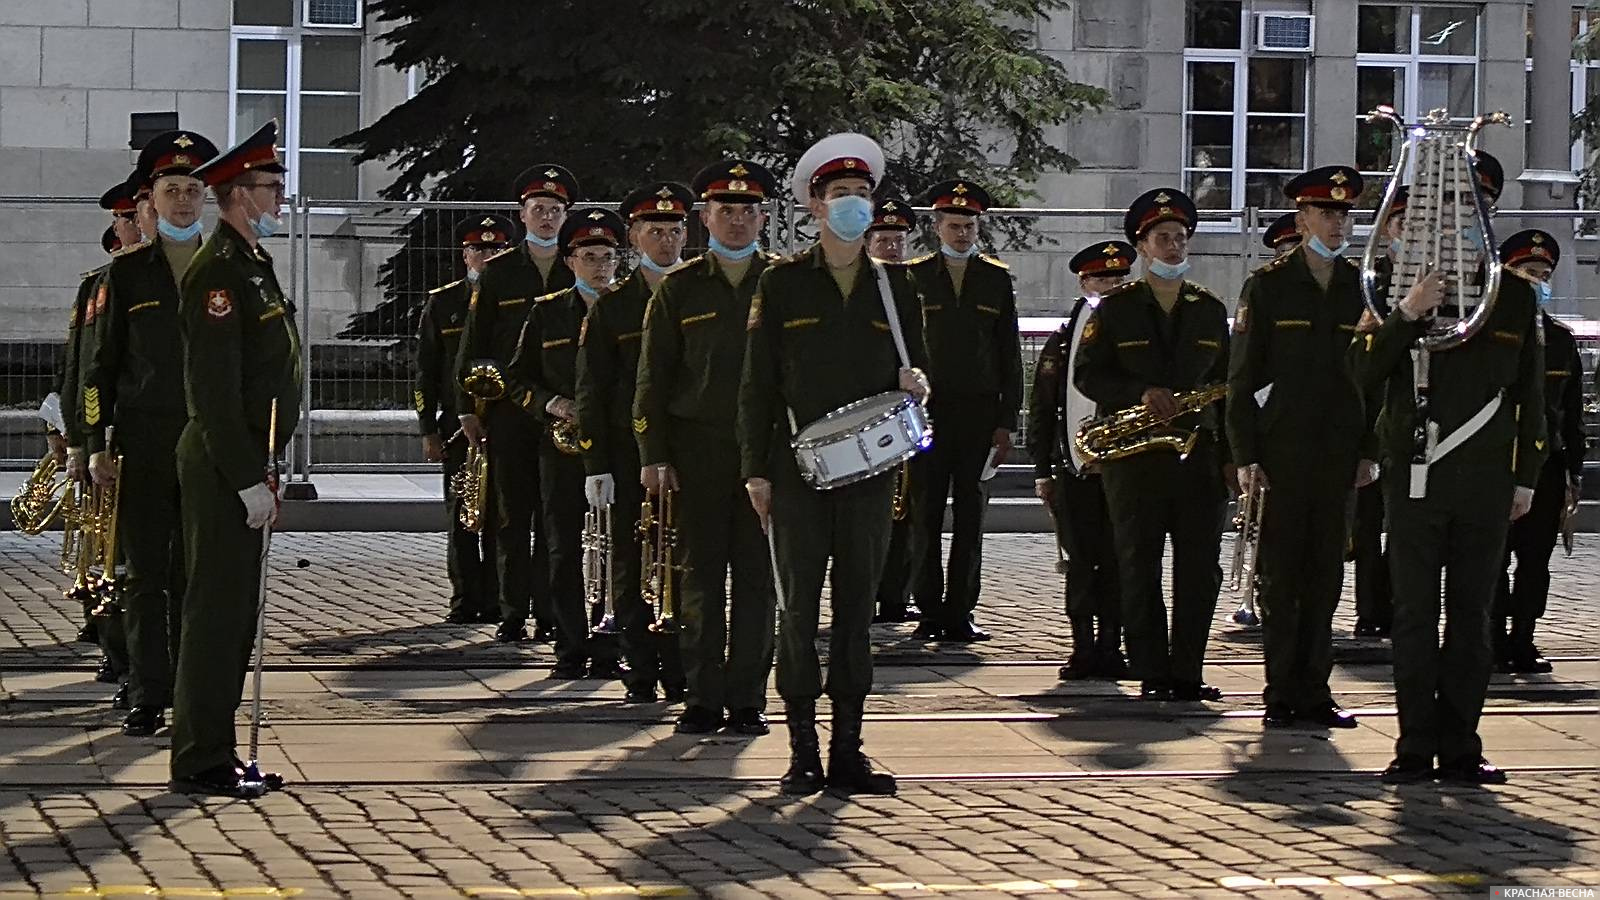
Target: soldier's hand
{"points": [[1521, 502], [472, 426], [1248, 477], [760, 491], [260, 505], [1002, 445], [601, 490], [1160, 401], [1366, 473], [57, 445], [433, 448], [1424, 296], [915, 383], [75, 463], [654, 478], [1572, 497], [1045, 489], [102, 468], [562, 408]]}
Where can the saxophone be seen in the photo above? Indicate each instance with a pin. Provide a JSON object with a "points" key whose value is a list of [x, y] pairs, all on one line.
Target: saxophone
{"points": [[483, 382], [1138, 428]]}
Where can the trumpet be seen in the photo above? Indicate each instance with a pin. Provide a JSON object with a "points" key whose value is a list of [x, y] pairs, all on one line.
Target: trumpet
{"points": [[598, 589], [1247, 551], [658, 548], [901, 504], [101, 526], [1138, 428]]}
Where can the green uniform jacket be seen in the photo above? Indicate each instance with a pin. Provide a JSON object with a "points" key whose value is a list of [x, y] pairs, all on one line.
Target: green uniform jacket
{"points": [[545, 365], [1563, 395], [70, 385], [240, 352], [1293, 336], [131, 359], [506, 291], [608, 363], [693, 356], [812, 351], [1507, 354], [1129, 345], [973, 345], [1044, 404], [444, 315]]}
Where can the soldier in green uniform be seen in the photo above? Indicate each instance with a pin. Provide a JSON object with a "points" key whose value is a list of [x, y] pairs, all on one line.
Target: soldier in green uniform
{"points": [[608, 364], [893, 221], [1449, 512], [1071, 490], [969, 311], [543, 381], [133, 380], [495, 317], [241, 356], [1147, 341], [469, 557], [1297, 426], [821, 337], [1282, 237], [684, 414], [1532, 538]]}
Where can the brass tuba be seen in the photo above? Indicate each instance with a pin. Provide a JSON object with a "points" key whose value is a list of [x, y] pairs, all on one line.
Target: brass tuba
{"points": [[1137, 428], [42, 497], [484, 382], [1446, 228]]}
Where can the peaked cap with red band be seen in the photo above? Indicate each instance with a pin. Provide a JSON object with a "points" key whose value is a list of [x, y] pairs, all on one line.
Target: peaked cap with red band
{"points": [[256, 153]]}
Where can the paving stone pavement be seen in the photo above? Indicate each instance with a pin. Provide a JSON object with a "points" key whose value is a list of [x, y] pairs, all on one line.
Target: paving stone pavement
{"points": [[1147, 838], [376, 599]]}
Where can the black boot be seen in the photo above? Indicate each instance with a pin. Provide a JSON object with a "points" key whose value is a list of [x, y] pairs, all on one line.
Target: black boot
{"points": [[848, 771], [1081, 664], [805, 752]]}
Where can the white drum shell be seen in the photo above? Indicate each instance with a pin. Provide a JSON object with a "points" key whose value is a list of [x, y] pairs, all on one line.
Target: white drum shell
{"points": [[866, 438]]}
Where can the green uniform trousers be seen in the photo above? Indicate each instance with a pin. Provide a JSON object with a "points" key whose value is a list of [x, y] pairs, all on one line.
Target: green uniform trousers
{"points": [[223, 557], [1083, 528], [1153, 495], [652, 656], [469, 556], [726, 641], [151, 541], [894, 589], [1531, 540], [561, 479], [522, 558], [1373, 601], [1300, 571], [851, 525], [963, 433], [1459, 528]]}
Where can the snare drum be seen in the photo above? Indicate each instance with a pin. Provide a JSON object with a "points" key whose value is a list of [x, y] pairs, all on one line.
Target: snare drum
{"points": [[866, 438]]}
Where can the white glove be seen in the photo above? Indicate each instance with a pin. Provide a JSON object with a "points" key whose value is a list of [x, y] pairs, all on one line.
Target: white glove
{"points": [[600, 489], [1521, 502], [75, 463], [260, 505]]}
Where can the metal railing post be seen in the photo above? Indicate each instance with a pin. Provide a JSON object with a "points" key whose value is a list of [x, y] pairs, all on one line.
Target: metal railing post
{"points": [[304, 489]]}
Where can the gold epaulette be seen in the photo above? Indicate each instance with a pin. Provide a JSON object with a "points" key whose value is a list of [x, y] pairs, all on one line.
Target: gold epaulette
{"points": [[135, 248], [901, 263], [1560, 324], [993, 261], [769, 256], [1122, 288], [1507, 270], [95, 272], [445, 287], [1200, 291], [551, 296], [678, 267], [791, 259], [921, 259], [492, 258], [1271, 264]]}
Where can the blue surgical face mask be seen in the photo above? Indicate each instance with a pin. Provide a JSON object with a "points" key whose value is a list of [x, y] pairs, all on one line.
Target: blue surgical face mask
{"points": [[542, 243], [1473, 236], [586, 289], [174, 233], [1322, 250], [473, 275], [1169, 271], [1395, 247], [849, 216], [1544, 291], [264, 224], [650, 265], [726, 252], [968, 253]]}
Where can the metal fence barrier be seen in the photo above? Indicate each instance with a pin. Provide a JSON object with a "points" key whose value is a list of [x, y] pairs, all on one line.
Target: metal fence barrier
{"points": [[360, 271]]}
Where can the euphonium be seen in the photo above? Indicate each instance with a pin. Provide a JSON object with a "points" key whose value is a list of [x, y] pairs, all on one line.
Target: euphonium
{"points": [[41, 499], [484, 382], [1137, 428]]}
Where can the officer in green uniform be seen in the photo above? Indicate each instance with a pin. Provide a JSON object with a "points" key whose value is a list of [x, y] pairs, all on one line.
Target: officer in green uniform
{"points": [[1535, 253], [495, 318], [608, 364], [893, 221], [1072, 491], [543, 381], [969, 311], [1283, 235], [820, 337], [1147, 341], [684, 415], [469, 556], [1450, 511], [133, 380], [1297, 426], [241, 357]]}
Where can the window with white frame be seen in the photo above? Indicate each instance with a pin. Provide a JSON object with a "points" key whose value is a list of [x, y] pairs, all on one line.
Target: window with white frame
{"points": [[1416, 58], [1244, 123], [299, 61]]}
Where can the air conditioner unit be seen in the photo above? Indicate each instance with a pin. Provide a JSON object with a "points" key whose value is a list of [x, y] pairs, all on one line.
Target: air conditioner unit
{"points": [[332, 13], [1286, 32]]}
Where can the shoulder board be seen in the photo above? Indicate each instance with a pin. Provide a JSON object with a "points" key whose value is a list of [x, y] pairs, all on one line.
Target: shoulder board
{"points": [[1559, 324], [95, 272], [1271, 264], [135, 248], [791, 259], [1507, 270], [688, 263], [921, 259], [1204, 292], [548, 297], [445, 287], [1122, 288], [897, 263], [993, 261], [492, 258], [769, 256]]}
